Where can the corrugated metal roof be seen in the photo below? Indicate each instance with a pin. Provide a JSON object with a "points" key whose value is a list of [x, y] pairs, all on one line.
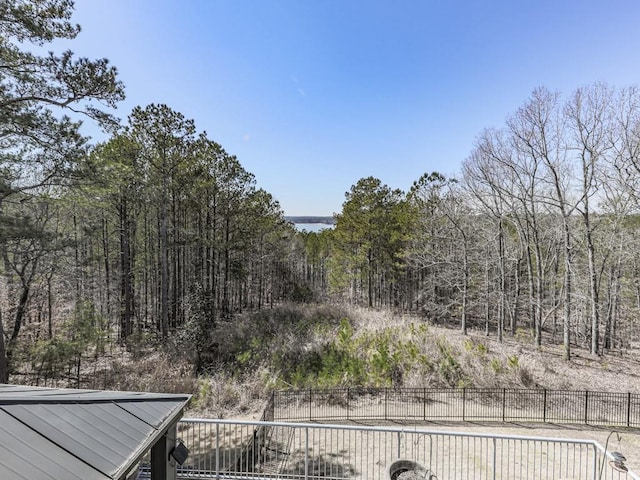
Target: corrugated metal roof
{"points": [[60, 434]]}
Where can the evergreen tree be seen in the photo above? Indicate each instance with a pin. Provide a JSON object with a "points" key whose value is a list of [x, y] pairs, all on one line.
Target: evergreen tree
{"points": [[370, 235], [39, 143]]}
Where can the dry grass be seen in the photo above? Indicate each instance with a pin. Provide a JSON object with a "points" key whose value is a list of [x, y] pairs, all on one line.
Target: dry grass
{"points": [[480, 361], [615, 372], [221, 396], [154, 372], [514, 362]]}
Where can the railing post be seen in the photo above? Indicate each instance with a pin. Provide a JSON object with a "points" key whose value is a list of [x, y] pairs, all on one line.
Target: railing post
{"points": [[586, 407], [310, 419], [217, 450], [399, 444], [628, 409], [306, 453], [494, 460], [504, 402], [464, 401], [348, 404], [544, 406]]}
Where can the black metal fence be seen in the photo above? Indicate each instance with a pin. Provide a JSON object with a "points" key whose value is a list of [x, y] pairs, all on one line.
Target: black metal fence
{"points": [[464, 404]]}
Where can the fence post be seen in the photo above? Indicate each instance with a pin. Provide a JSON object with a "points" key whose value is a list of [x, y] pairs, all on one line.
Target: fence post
{"points": [[310, 412], [272, 404], [544, 406], [385, 402], [348, 402], [464, 401], [424, 404], [586, 407], [628, 409], [504, 402]]}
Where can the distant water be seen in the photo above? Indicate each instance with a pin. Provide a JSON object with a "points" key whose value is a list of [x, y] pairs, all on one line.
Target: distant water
{"points": [[312, 227]]}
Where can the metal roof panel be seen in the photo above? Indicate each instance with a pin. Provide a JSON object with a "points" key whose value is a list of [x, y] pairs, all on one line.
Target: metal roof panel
{"points": [[98, 434], [153, 413], [26, 455]]}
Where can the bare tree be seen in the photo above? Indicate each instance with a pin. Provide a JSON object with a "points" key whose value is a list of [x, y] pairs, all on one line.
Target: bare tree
{"points": [[443, 224], [485, 182], [538, 127], [588, 126]]}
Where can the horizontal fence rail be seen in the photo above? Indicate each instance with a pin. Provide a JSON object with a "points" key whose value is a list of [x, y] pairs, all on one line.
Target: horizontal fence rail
{"points": [[464, 404], [228, 449]]}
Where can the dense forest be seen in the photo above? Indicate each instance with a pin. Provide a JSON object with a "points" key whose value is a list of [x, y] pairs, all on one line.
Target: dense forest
{"points": [[539, 232], [159, 236]]}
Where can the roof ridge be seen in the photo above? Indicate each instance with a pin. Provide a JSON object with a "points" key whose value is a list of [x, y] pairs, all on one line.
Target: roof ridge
{"points": [[13, 400]]}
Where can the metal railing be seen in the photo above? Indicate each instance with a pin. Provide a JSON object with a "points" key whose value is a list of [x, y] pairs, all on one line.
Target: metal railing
{"points": [[250, 450], [463, 404]]}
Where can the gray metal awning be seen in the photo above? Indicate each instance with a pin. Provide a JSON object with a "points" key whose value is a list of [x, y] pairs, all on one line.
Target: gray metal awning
{"points": [[64, 434]]}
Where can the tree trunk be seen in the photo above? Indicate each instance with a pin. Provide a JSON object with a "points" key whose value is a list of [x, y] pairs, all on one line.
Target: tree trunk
{"points": [[465, 287], [593, 288], [567, 293], [370, 278], [487, 314], [19, 316], [107, 269], [164, 263], [126, 273], [503, 294], [4, 361], [49, 308], [516, 299], [226, 311], [539, 296]]}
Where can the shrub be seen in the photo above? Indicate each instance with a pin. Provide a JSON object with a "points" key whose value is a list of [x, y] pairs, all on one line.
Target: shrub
{"points": [[451, 372]]}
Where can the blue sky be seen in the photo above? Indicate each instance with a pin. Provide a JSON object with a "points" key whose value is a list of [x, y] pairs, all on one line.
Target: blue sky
{"points": [[311, 96]]}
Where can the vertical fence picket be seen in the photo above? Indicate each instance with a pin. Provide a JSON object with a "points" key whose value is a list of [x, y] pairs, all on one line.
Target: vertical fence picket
{"points": [[385, 402], [348, 403], [586, 407], [424, 404], [464, 402]]}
